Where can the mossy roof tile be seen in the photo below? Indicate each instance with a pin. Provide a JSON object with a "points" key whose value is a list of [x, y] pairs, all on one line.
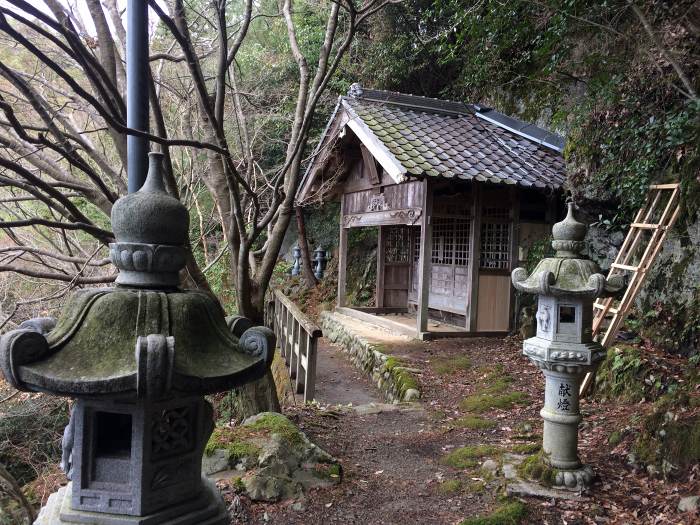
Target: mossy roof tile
{"points": [[428, 139]]}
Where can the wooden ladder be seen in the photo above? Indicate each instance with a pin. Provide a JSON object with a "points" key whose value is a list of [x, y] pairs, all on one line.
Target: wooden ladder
{"points": [[637, 253]]}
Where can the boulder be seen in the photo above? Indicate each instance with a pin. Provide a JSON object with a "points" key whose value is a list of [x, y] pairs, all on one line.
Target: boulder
{"points": [[271, 459]]}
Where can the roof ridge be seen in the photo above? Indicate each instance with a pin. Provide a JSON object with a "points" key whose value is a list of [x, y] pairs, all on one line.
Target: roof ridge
{"points": [[417, 102]]}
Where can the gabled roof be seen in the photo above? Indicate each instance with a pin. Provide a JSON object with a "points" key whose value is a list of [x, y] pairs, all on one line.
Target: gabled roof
{"points": [[418, 136]]}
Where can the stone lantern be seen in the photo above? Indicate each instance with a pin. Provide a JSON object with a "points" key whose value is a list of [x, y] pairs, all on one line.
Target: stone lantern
{"points": [[563, 347], [320, 258], [138, 359]]}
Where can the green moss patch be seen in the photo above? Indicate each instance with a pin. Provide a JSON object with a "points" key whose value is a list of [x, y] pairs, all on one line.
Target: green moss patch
{"points": [[450, 486], [526, 448], [511, 513], [615, 438], [234, 441], [449, 365], [465, 457], [536, 467], [474, 423], [242, 441], [276, 424], [402, 378], [483, 402], [496, 392]]}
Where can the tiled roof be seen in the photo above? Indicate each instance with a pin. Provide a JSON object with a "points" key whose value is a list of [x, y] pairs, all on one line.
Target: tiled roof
{"points": [[452, 140]]}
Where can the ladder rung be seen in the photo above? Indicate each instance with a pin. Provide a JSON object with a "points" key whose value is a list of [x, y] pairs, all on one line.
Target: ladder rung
{"points": [[611, 310], [625, 267], [646, 226], [672, 186]]}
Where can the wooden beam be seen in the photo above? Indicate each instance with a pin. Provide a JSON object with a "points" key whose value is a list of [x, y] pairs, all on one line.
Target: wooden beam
{"points": [[342, 254], [474, 256], [381, 252], [426, 248], [370, 166]]}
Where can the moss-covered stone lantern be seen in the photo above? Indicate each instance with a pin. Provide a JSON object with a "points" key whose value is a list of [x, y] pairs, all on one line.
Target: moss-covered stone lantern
{"points": [[138, 358], [563, 347]]}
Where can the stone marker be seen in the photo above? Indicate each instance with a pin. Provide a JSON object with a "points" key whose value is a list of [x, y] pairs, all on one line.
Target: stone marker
{"points": [[563, 348], [138, 359]]}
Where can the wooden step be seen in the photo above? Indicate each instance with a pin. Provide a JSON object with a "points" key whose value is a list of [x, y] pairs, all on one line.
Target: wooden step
{"points": [[647, 226], [611, 310], [625, 267]]}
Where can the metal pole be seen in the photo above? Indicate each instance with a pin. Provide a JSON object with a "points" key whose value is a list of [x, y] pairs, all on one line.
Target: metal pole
{"points": [[137, 91]]}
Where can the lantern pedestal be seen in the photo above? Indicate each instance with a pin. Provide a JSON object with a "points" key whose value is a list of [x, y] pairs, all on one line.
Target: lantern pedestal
{"points": [[207, 509]]}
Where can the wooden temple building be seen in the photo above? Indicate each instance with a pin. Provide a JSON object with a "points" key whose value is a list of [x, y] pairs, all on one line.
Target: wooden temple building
{"points": [[458, 194]]}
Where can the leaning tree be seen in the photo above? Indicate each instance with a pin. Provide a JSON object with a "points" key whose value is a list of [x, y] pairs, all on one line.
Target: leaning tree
{"points": [[233, 89]]}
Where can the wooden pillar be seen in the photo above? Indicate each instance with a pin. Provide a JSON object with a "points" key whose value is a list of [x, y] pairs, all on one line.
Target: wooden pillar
{"points": [[474, 257], [342, 254], [381, 254], [424, 263], [514, 255]]}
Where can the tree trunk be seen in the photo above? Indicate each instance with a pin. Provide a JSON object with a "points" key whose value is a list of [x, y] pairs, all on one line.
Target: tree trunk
{"points": [[258, 396], [309, 277]]}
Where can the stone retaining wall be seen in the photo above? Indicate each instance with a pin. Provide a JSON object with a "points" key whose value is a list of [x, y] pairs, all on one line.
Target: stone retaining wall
{"points": [[396, 381]]}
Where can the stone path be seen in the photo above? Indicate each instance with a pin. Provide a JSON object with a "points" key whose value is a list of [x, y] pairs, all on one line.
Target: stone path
{"points": [[339, 382]]}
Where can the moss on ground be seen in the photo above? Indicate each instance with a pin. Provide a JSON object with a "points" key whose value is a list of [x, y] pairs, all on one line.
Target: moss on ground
{"points": [[465, 457], [526, 448], [536, 467], [483, 402], [450, 486], [450, 365], [510, 513], [615, 438], [474, 423], [496, 393]]}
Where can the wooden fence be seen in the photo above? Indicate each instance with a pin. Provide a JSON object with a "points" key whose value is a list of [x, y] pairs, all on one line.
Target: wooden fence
{"points": [[297, 338]]}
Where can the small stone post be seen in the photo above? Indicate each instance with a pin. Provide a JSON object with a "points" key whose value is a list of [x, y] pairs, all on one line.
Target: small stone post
{"points": [[563, 348], [296, 267], [321, 261]]}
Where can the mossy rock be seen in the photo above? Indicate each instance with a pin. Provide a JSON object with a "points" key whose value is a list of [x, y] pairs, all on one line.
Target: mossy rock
{"points": [[276, 460], [402, 379], [509, 513]]}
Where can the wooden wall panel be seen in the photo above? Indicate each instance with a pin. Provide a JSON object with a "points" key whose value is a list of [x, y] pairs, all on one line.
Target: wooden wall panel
{"points": [[406, 195], [494, 303]]}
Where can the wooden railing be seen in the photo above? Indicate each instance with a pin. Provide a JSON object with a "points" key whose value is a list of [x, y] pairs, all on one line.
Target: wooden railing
{"points": [[297, 339]]}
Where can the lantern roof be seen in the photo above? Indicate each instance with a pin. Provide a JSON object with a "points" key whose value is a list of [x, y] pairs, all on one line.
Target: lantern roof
{"points": [[145, 337], [568, 272]]}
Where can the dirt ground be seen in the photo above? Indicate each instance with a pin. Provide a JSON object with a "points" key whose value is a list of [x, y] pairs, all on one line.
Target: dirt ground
{"points": [[391, 456]]}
